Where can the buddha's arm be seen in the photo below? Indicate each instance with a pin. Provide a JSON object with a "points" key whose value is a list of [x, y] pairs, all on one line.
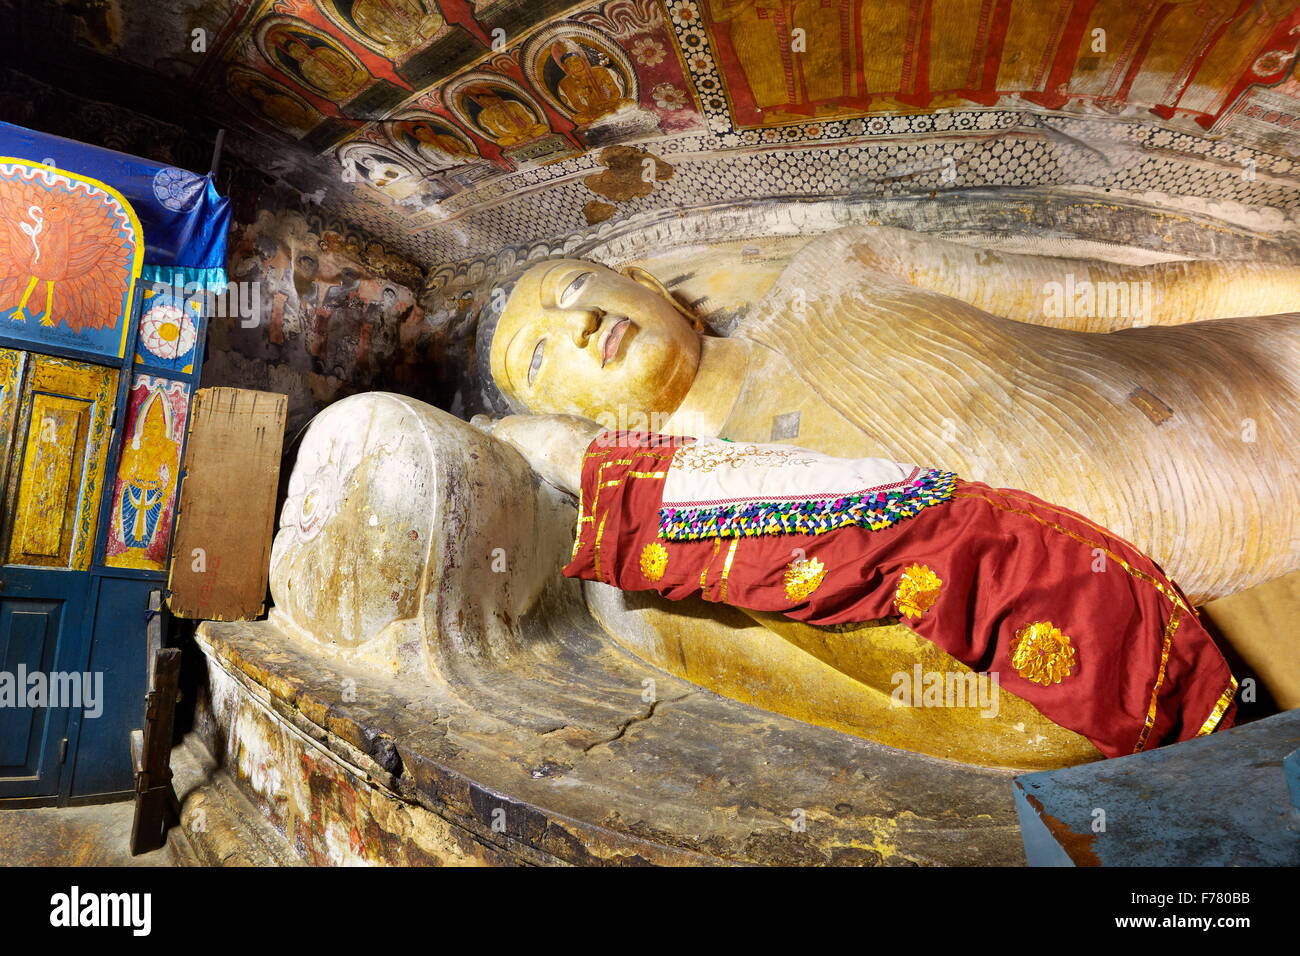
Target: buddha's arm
{"points": [[1086, 295]]}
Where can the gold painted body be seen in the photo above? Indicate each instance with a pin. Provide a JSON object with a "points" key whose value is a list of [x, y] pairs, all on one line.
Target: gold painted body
{"points": [[842, 678]]}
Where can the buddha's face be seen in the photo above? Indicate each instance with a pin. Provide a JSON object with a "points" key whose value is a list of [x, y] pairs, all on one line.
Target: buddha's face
{"points": [[580, 339]]}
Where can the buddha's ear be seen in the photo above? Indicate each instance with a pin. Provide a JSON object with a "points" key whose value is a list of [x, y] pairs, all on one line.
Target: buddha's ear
{"points": [[641, 277]]}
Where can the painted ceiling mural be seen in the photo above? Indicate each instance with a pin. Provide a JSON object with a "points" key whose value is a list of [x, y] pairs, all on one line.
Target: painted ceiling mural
{"points": [[450, 128]]}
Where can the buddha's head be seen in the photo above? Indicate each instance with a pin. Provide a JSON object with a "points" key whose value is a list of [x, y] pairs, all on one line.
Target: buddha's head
{"points": [[581, 339]]}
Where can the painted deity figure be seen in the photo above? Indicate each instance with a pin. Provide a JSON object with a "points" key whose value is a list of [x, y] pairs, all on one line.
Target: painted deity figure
{"points": [[393, 23], [325, 68], [590, 92], [440, 149], [282, 109], [147, 470], [507, 121]]}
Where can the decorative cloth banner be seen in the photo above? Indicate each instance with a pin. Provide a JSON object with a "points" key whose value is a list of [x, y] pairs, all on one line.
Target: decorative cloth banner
{"points": [[999, 579], [185, 221], [728, 489]]}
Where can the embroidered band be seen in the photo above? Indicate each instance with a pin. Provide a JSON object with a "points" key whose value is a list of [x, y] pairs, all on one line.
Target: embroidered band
{"points": [[869, 509]]}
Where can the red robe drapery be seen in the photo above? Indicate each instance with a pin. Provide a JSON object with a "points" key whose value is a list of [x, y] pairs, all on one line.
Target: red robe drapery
{"points": [[1074, 620]]}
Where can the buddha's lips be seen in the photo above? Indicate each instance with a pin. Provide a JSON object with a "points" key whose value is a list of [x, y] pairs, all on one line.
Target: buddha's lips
{"points": [[609, 348]]}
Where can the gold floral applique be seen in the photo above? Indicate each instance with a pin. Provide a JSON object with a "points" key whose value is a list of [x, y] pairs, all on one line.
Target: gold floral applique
{"points": [[654, 560], [918, 589], [802, 577], [1041, 653]]}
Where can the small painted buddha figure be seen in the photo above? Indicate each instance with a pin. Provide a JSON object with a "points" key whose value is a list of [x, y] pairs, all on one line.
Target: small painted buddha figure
{"points": [[397, 25], [588, 91], [442, 149], [326, 69], [507, 121]]}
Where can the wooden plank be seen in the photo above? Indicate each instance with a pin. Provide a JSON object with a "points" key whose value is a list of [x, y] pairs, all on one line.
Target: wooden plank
{"points": [[222, 549], [153, 784], [153, 644]]}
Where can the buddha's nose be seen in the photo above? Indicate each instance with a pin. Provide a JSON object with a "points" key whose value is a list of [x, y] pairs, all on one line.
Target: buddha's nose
{"points": [[590, 324]]}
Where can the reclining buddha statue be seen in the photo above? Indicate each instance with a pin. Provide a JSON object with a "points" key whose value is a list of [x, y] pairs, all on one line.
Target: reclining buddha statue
{"points": [[902, 412], [1180, 433]]}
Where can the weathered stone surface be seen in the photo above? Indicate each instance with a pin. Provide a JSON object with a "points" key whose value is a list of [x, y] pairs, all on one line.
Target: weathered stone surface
{"points": [[559, 760]]}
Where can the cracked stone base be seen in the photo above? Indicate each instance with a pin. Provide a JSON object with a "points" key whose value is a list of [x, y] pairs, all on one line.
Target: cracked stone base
{"points": [[560, 762]]}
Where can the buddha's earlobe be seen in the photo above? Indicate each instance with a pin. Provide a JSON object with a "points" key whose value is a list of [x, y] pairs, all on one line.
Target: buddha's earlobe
{"points": [[641, 277]]}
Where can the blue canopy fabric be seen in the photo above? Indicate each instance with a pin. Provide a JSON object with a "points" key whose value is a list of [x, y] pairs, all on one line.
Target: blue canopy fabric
{"points": [[184, 220]]}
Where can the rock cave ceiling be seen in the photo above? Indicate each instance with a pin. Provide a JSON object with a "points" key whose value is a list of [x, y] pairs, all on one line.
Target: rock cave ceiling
{"points": [[454, 129]]}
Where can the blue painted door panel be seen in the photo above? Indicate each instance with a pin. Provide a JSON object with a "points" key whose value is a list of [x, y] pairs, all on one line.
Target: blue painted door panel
{"points": [[41, 632], [102, 761]]}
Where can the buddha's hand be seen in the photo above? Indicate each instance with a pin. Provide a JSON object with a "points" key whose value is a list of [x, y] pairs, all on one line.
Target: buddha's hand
{"points": [[552, 444]]}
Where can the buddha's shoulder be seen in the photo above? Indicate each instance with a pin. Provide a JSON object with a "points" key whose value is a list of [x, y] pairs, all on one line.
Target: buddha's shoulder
{"points": [[840, 260]]}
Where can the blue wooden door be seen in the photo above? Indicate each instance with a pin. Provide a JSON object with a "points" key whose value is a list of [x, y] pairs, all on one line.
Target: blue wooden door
{"points": [[56, 418], [41, 645]]}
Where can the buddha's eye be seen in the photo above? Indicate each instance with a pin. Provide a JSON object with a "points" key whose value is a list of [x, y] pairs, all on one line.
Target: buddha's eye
{"points": [[536, 363], [573, 289]]}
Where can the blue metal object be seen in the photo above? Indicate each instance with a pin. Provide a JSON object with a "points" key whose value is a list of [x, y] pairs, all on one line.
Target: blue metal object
{"points": [[1229, 799]]}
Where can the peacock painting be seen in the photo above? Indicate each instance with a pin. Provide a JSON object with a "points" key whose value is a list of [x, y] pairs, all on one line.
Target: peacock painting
{"points": [[66, 250]]}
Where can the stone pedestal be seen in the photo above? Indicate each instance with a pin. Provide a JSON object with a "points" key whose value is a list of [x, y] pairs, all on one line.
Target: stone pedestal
{"points": [[566, 764]]}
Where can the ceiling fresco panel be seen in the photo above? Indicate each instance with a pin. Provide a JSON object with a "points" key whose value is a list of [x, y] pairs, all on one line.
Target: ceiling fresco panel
{"points": [[438, 124]]}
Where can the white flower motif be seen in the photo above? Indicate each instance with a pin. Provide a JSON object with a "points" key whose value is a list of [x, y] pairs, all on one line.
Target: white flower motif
{"points": [[700, 63], [684, 14], [167, 332], [668, 97], [648, 51]]}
